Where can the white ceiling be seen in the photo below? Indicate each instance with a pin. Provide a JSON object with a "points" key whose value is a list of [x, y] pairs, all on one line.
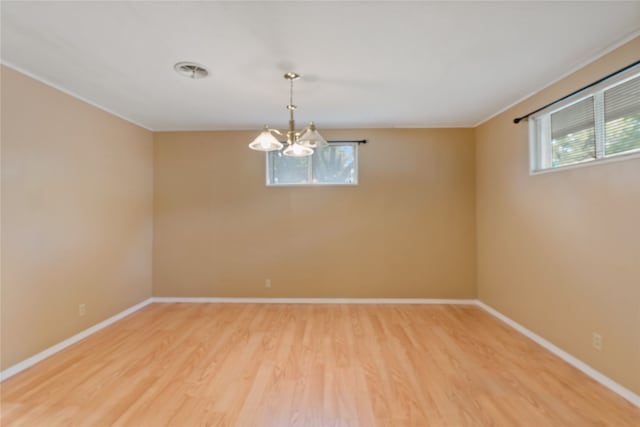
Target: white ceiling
{"points": [[364, 64]]}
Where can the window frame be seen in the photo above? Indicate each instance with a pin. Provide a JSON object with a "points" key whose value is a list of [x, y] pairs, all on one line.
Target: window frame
{"points": [[539, 128], [310, 183]]}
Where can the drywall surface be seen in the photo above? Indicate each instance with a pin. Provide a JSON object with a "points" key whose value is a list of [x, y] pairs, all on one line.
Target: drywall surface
{"points": [[407, 229], [560, 252], [76, 215]]}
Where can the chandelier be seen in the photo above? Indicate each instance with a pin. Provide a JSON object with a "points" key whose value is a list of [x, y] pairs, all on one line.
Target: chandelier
{"points": [[299, 143]]}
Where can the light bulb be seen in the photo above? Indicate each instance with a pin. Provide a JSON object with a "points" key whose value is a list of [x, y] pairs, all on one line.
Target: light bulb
{"points": [[297, 150], [311, 137], [265, 141]]}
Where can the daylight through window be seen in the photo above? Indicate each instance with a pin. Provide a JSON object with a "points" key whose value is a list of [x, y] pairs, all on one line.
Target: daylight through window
{"points": [[336, 164], [595, 125]]}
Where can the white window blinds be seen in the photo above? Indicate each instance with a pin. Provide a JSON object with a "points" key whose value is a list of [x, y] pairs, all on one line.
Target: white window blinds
{"points": [[622, 117], [573, 135], [596, 124]]}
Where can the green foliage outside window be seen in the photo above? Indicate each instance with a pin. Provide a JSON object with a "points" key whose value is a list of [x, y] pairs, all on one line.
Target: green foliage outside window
{"points": [[622, 135]]}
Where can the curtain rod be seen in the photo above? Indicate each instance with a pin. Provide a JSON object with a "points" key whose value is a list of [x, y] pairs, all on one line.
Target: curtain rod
{"points": [[359, 141], [526, 116]]}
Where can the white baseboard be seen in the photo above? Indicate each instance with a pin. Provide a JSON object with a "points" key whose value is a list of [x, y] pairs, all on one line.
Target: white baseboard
{"points": [[599, 377], [588, 370], [27, 363], [313, 300]]}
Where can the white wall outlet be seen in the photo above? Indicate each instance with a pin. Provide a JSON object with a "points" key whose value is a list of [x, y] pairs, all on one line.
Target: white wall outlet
{"points": [[267, 283], [82, 309], [596, 341]]}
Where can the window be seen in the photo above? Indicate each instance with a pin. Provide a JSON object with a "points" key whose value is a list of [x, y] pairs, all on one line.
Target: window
{"points": [[336, 164], [595, 125]]}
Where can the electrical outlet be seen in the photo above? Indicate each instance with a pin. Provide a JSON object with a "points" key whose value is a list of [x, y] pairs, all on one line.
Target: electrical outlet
{"points": [[267, 283], [596, 341], [82, 309]]}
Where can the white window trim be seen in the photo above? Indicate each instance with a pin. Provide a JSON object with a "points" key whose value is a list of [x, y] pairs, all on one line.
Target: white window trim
{"points": [[539, 128], [610, 159], [356, 163]]}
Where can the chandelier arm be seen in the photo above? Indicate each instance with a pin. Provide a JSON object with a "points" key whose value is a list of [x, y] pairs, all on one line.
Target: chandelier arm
{"points": [[304, 129], [297, 148]]}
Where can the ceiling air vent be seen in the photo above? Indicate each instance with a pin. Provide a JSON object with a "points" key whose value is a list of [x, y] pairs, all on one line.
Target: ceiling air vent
{"points": [[191, 70]]}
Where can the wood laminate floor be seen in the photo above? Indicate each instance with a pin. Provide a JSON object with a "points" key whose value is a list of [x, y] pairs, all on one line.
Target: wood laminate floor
{"points": [[308, 365]]}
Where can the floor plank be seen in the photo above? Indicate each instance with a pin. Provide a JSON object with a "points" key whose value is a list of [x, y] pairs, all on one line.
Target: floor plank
{"points": [[308, 365]]}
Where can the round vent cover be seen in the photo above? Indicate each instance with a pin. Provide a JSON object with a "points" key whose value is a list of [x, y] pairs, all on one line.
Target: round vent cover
{"points": [[191, 70]]}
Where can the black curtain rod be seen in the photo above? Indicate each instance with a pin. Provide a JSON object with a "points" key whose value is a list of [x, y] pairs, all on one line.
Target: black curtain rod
{"points": [[359, 141], [526, 116]]}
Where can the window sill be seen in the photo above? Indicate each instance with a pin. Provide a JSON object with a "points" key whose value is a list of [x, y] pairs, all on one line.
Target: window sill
{"points": [[612, 159], [330, 184]]}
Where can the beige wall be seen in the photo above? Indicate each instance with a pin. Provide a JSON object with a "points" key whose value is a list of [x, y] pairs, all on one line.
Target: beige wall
{"points": [[408, 229], [560, 252], [557, 252], [76, 215]]}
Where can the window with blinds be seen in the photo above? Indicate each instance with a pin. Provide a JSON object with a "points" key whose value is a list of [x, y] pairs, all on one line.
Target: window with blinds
{"points": [[336, 164], [622, 118], [594, 125], [573, 134]]}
